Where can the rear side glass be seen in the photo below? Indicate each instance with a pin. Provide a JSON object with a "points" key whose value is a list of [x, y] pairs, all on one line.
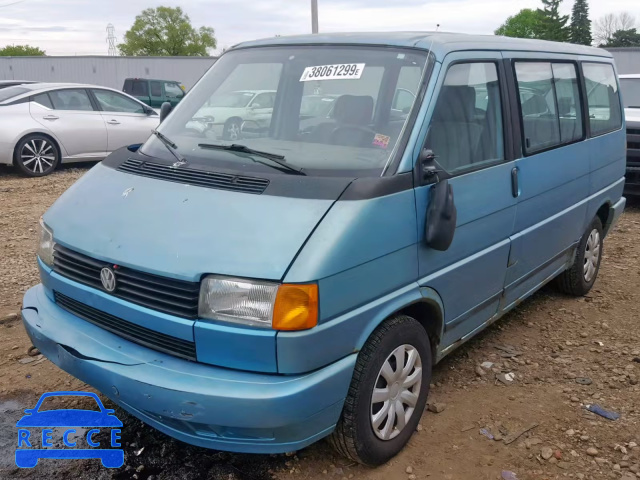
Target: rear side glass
{"points": [[605, 114], [538, 105], [569, 106], [71, 99], [156, 89], [140, 88], [43, 99]]}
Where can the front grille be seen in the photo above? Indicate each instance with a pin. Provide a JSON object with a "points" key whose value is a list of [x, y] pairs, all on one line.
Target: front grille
{"points": [[127, 330], [175, 297], [200, 178], [633, 131]]}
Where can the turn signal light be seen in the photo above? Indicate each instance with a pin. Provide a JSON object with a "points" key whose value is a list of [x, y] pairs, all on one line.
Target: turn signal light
{"points": [[296, 307]]}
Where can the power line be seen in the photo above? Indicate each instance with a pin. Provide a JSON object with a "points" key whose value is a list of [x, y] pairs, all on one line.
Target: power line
{"points": [[12, 3]]}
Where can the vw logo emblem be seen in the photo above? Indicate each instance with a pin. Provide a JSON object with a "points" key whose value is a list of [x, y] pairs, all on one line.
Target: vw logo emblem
{"points": [[108, 279]]}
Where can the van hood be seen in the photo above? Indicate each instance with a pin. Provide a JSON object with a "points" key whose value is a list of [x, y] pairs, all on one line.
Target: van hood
{"points": [[182, 231]]}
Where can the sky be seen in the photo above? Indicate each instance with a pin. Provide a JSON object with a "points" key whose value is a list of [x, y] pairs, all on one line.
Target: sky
{"points": [[78, 27]]}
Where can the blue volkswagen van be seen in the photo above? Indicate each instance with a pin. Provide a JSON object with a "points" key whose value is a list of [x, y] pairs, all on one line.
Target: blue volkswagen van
{"points": [[301, 281]]}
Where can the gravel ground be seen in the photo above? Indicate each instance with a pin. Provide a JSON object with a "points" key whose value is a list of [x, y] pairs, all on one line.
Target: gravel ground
{"points": [[565, 353]]}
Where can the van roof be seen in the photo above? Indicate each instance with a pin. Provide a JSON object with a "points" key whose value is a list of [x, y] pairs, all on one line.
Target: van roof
{"points": [[440, 43]]}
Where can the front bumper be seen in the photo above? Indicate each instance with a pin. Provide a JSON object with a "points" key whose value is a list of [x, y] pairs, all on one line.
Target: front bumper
{"points": [[199, 404]]}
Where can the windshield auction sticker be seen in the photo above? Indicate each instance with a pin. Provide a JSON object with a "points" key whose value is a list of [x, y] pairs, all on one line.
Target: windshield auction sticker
{"points": [[344, 71]]}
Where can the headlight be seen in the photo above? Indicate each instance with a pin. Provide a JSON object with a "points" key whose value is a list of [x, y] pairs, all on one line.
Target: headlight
{"points": [[257, 303], [45, 244]]}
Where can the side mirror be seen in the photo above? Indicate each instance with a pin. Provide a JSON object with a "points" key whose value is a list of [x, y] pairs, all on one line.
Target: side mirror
{"points": [[442, 213], [255, 106], [165, 110], [441, 216]]}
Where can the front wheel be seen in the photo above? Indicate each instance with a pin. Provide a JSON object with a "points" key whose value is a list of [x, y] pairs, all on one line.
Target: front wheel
{"points": [[579, 279], [388, 393], [232, 129]]}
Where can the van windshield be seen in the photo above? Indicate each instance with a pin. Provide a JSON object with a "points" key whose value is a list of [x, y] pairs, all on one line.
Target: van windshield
{"points": [[630, 88], [326, 110]]}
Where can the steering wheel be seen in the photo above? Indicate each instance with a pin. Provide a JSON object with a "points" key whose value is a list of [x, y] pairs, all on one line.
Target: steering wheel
{"points": [[358, 128]]}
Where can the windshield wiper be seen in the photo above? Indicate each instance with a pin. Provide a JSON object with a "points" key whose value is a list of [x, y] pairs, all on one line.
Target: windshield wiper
{"points": [[172, 147], [274, 157]]}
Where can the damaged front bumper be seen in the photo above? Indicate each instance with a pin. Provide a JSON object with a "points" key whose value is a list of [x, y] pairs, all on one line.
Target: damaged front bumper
{"points": [[199, 404]]}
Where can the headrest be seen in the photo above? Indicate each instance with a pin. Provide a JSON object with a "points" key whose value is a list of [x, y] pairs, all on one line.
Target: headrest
{"points": [[353, 109], [456, 104]]}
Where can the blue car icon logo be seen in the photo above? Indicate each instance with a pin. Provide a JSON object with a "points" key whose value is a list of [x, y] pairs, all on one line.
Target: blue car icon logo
{"points": [[58, 425]]}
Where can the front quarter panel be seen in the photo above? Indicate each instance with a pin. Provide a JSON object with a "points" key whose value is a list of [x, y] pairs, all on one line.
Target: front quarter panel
{"points": [[364, 256]]}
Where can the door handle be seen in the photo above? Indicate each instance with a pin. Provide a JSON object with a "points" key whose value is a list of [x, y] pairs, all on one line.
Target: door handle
{"points": [[113, 122], [50, 117], [515, 188]]}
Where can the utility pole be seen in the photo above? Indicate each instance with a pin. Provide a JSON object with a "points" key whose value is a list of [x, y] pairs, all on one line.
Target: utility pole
{"points": [[314, 16]]}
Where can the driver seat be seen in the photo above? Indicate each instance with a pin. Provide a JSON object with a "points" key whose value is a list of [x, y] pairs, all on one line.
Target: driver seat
{"points": [[352, 116]]}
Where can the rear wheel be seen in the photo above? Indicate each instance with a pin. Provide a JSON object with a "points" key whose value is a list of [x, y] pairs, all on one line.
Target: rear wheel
{"points": [[579, 279], [36, 155], [388, 393]]}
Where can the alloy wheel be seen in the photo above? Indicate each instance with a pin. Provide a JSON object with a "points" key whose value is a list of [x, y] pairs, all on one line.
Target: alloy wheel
{"points": [[38, 155]]}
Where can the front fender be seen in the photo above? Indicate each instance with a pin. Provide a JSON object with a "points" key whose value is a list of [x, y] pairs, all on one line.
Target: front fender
{"points": [[309, 350]]}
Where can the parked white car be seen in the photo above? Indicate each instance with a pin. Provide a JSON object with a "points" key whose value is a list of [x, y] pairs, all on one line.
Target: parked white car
{"points": [[231, 110], [43, 125]]}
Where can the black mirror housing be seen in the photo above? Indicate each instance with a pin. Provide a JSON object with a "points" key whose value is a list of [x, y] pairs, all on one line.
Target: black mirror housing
{"points": [[165, 110], [441, 216]]}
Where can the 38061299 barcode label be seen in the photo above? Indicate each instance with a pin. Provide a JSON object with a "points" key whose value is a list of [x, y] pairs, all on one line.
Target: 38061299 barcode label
{"points": [[344, 71]]}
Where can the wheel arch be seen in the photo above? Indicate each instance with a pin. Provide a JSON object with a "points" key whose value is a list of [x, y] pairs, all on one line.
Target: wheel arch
{"points": [[234, 118], [55, 141], [604, 213], [424, 305]]}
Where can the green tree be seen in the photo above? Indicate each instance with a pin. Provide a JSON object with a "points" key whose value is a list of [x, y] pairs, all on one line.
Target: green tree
{"points": [[166, 31], [21, 51], [553, 25], [524, 24], [580, 23], [624, 38]]}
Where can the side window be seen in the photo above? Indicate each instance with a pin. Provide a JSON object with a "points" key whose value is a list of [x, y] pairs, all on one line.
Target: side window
{"points": [[408, 79], [462, 134], [538, 105], [565, 77], [114, 102], [172, 90], [71, 99], [549, 103], [602, 97], [42, 99], [140, 88], [264, 100], [156, 89], [403, 100]]}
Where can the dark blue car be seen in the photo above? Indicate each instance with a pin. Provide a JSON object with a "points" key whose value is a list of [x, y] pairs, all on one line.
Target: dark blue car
{"points": [[27, 457]]}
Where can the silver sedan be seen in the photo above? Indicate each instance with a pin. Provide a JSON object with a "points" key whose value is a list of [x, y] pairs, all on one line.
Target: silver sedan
{"points": [[43, 125]]}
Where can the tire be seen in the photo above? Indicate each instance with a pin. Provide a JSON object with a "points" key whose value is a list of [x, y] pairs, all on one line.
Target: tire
{"points": [[36, 155], [579, 279], [232, 129], [356, 436]]}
